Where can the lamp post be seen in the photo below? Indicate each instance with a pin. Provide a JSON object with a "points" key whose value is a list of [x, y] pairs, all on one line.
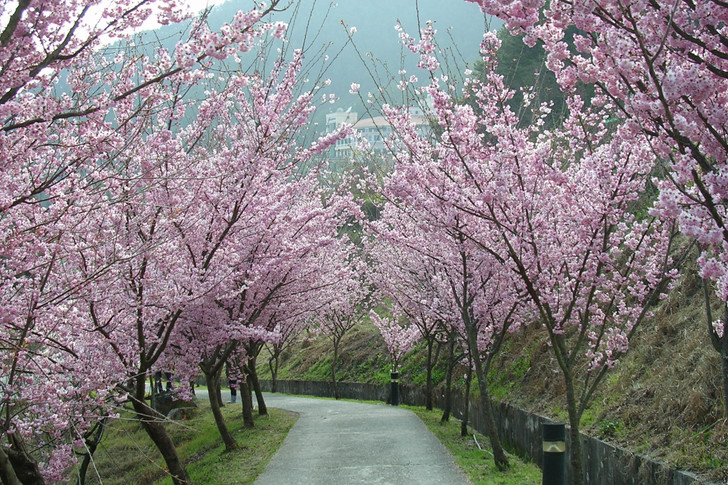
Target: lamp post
{"points": [[554, 454], [394, 384]]}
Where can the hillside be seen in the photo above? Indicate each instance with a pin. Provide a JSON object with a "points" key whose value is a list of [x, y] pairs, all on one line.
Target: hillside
{"points": [[663, 398]]}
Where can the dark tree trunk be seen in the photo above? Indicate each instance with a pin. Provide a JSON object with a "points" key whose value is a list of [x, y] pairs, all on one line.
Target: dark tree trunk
{"points": [[247, 399], [20, 466], [159, 436], [428, 384], [466, 411], [253, 374], [501, 461], [575, 455], [720, 343], [218, 387], [447, 408], [92, 439], [273, 364], [481, 371], [333, 370], [7, 472], [213, 386]]}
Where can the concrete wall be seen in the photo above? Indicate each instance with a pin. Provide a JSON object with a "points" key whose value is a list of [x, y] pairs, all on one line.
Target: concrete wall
{"points": [[520, 432]]}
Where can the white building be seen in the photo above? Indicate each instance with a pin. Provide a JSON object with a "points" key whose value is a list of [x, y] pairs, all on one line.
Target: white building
{"points": [[333, 122], [375, 130]]}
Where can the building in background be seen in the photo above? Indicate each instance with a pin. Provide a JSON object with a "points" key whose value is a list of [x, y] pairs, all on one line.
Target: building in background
{"points": [[374, 130], [334, 121]]}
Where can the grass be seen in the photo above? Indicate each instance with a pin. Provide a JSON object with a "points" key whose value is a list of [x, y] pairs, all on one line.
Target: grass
{"points": [[477, 464], [127, 456]]}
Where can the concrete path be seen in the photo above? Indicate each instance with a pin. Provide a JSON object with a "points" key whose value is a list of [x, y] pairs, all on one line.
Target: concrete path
{"points": [[342, 443]]}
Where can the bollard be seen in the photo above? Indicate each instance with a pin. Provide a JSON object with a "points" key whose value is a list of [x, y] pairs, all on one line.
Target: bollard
{"points": [[554, 454], [395, 388]]}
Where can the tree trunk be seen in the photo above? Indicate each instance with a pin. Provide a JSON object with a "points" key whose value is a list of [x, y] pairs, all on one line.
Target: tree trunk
{"points": [[466, 411], [723, 344], [23, 466], [92, 440], [213, 386], [575, 455], [333, 370], [499, 455], [720, 343], [218, 387], [448, 380], [428, 384], [7, 472], [247, 399], [253, 374], [273, 364], [501, 461], [159, 436]]}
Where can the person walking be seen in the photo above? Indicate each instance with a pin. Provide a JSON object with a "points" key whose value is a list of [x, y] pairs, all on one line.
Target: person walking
{"points": [[232, 383]]}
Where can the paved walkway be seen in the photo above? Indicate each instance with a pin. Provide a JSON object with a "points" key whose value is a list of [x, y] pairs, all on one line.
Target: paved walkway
{"points": [[342, 443]]}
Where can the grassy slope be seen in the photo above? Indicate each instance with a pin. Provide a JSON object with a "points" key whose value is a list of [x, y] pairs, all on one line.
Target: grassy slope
{"points": [[663, 399], [476, 463], [127, 456]]}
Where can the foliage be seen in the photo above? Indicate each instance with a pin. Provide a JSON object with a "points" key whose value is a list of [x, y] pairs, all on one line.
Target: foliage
{"points": [[524, 71]]}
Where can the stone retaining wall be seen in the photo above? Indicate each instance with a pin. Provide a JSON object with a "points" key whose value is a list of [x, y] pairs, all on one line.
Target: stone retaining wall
{"points": [[519, 430]]}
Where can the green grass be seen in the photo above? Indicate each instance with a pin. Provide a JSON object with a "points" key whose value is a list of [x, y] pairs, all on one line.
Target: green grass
{"points": [[320, 371], [127, 456], [477, 464]]}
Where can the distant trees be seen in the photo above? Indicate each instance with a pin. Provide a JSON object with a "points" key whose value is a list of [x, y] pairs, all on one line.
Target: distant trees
{"points": [[398, 338], [338, 316], [524, 71]]}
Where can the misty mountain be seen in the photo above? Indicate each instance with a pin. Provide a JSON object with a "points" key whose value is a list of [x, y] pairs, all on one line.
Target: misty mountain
{"points": [[375, 55], [371, 56]]}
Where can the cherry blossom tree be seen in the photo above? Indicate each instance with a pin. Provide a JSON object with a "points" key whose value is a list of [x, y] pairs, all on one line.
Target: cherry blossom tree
{"points": [[341, 314], [664, 66], [399, 339], [258, 218], [471, 293], [289, 331], [487, 298], [405, 279], [52, 144]]}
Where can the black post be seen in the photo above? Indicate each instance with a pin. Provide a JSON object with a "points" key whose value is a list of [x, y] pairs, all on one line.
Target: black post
{"points": [[554, 454], [394, 383]]}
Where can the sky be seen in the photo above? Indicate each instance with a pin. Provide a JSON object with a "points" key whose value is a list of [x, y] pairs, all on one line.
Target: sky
{"points": [[194, 6], [7, 7]]}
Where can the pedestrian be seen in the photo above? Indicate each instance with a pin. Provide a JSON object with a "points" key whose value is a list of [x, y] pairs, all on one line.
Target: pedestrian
{"points": [[232, 382], [158, 381]]}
